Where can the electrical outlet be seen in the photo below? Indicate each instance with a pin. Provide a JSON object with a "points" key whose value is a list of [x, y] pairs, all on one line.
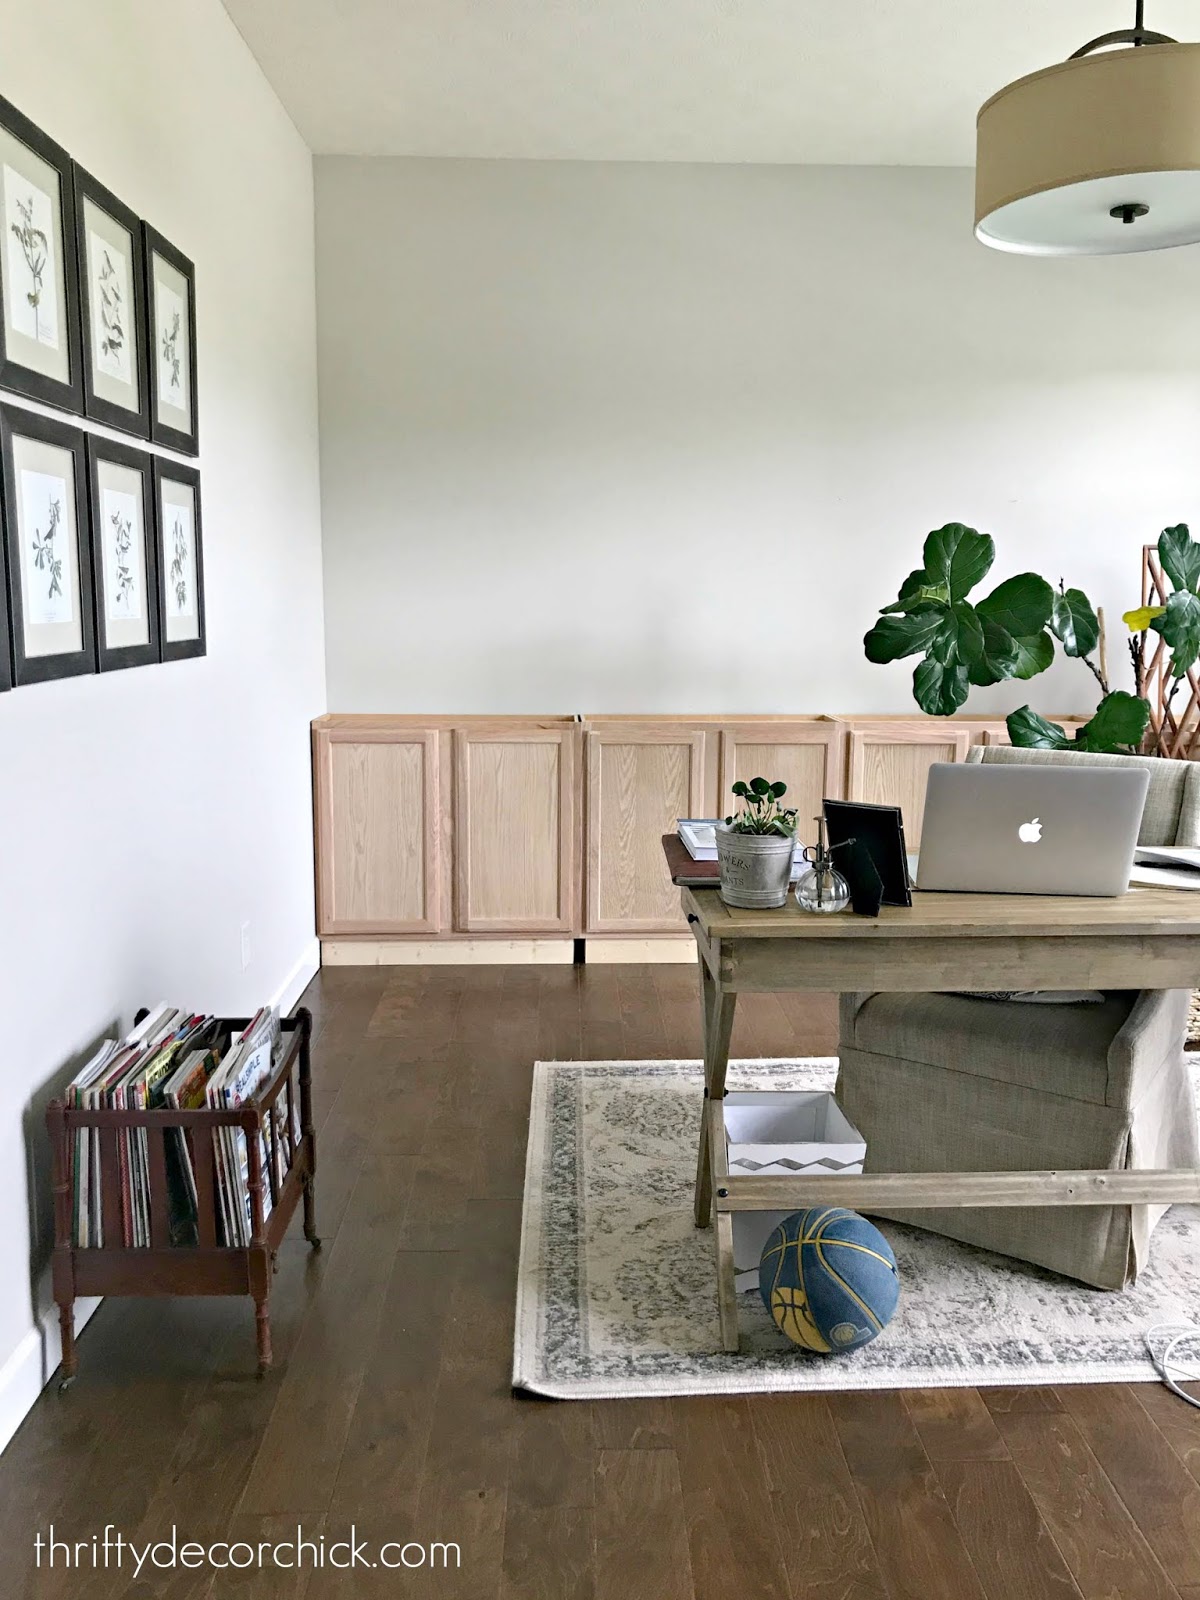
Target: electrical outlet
{"points": [[245, 945]]}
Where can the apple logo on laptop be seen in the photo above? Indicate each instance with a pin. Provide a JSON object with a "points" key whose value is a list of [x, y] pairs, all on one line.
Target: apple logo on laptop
{"points": [[1030, 832]]}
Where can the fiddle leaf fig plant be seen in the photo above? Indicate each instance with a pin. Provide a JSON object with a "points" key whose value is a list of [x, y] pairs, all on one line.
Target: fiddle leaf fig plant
{"points": [[1178, 621], [1011, 633], [1001, 636], [761, 811]]}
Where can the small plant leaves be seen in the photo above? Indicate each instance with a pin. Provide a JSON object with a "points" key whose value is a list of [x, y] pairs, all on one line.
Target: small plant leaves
{"points": [[1022, 605], [940, 690], [1074, 623], [1180, 556], [1179, 625], [1029, 731], [956, 558], [1118, 726], [1138, 621]]}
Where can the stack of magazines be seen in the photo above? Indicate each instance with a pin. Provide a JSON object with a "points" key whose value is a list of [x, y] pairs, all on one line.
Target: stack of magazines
{"points": [[184, 1062]]}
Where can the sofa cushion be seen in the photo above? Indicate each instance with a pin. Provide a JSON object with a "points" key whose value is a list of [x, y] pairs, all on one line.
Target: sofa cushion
{"points": [[1058, 1049]]}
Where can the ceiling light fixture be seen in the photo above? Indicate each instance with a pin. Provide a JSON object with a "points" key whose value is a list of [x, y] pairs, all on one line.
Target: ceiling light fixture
{"points": [[1098, 155]]}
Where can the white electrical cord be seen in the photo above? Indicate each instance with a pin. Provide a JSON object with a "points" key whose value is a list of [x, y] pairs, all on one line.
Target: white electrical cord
{"points": [[1165, 1362]]}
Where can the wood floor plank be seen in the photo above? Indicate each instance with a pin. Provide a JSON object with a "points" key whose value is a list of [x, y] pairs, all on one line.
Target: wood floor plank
{"points": [[819, 1521], [548, 1555], [1159, 1492], [1013, 1551], [731, 1529], [916, 1542], [1011, 1401], [640, 1529], [955, 1425], [1178, 1422], [636, 1424], [1099, 1540]]}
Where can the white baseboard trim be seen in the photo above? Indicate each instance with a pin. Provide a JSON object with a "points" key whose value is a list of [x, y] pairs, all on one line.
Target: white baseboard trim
{"points": [[299, 978], [614, 952], [446, 952], [32, 1364]]}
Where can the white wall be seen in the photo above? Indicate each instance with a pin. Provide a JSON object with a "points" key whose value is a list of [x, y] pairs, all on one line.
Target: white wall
{"points": [[638, 438], [146, 814]]}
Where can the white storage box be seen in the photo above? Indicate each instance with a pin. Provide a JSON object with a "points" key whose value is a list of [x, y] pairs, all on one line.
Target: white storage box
{"points": [[777, 1132]]}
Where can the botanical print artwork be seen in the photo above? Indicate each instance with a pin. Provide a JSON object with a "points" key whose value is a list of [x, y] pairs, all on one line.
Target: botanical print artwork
{"points": [[181, 565], [122, 571], [30, 261], [171, 315], [48, 593], [110, 304]]}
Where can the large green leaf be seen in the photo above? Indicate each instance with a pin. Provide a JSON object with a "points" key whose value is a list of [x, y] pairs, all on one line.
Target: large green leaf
{"points": [[1022, 605], [1180, 556], [999, 656], [1180, 627], [939, 690], [956, 558], [1028, 731], [1119, 724], [1033, 655], [960, 637], [893, 637], [1074, 623]]}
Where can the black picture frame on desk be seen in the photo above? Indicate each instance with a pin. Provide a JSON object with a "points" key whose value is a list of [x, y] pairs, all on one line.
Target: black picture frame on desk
{"points": [[180, 557], [124, 554], [40, 345], [171, 316], [47, 540], [880, 829], [111, 263]]}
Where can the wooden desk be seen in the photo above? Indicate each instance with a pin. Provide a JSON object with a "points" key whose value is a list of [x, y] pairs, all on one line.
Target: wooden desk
{"points": [[1146, 939]]}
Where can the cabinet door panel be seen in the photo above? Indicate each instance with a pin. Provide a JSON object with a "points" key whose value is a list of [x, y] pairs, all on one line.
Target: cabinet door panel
{"points": [[640, 780], [514, 836], [377, 831], [889, 766], [804, 756]]}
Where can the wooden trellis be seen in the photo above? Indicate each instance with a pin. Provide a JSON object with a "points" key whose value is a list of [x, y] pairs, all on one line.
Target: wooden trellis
{"points": [[1174, 719]]}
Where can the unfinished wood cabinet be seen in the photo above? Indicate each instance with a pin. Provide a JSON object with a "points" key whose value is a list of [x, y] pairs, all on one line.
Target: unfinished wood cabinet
{"points": [[888, 764], [640, 779], [515, 834], [806, 755], [378, 816]]}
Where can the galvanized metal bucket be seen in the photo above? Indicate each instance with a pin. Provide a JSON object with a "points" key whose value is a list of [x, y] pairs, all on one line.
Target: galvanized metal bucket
{"points": [[755, 868]]}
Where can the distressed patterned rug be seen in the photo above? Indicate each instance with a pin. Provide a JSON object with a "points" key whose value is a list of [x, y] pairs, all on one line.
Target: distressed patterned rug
{"points": [[616, 1291]]}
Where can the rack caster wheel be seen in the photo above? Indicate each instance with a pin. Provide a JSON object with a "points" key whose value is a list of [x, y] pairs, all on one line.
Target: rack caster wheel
{"points": [[315, 1242]]}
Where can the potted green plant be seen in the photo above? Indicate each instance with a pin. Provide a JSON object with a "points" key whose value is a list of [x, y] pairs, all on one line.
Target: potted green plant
{"points": [[1010, 633], [755, 846]]}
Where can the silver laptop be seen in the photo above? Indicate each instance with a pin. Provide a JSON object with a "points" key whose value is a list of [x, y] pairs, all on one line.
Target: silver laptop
{"points": [[1031, 830]]}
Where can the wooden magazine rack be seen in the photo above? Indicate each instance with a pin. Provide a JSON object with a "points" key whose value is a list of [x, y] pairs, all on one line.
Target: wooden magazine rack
{"points": [[207, 1267]]}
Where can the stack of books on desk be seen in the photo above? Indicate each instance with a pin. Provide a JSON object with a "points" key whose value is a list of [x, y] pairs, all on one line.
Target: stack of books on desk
{"points": [[695, 865]]}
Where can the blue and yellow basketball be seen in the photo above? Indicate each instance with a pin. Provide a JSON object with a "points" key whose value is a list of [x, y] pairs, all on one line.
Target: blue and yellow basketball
{"points": [[828, 1277]]}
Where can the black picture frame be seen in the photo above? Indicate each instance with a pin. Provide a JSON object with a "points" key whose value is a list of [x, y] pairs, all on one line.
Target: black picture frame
{"points": [[15, 376], [186, 441], [17, 423], [178, 649], [101, 451], [102, 409], [880, 830]]}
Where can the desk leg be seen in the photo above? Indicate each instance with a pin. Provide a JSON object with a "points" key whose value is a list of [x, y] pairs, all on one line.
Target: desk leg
{"points": [[727, 1284], [716, 1010]]}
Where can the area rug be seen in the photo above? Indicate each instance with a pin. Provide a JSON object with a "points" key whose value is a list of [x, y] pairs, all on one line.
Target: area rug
{"points": [[616, 1290]]}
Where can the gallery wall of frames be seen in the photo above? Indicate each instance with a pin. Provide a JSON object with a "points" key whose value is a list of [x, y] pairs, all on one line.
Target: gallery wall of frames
{"points": [[101, 560]]}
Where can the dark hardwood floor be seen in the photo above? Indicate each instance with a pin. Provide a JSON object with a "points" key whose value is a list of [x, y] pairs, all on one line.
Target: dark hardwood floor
{"points": [[390, 1407]]}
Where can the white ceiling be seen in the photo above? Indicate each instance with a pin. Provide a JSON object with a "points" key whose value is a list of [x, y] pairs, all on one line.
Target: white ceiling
{"points": [[888, 81]]}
